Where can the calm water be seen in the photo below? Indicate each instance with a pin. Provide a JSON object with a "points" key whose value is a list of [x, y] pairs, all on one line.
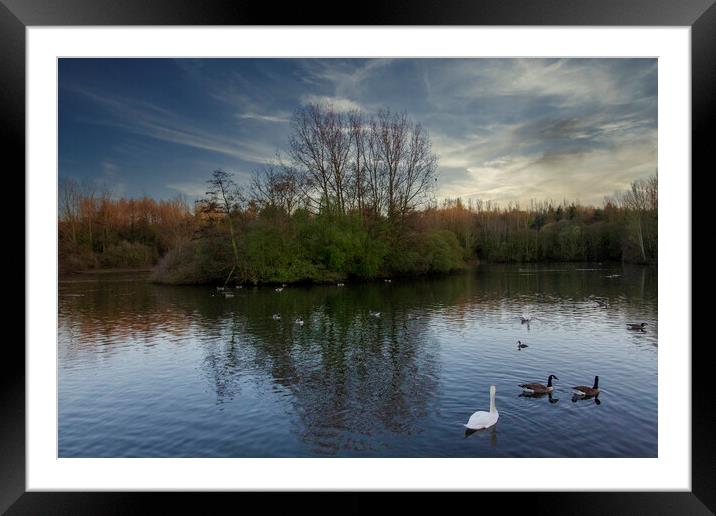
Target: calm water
{"points": [[156, 371]]}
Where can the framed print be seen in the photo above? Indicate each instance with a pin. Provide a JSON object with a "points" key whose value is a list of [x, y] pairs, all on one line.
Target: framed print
{"points": [[416, 252]]}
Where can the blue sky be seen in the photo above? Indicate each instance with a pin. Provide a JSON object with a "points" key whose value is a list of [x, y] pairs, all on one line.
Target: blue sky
{"points": [[504, 130]]}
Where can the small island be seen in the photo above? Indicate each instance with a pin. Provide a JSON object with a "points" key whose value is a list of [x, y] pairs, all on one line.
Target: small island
{"points": [[354, 200]]}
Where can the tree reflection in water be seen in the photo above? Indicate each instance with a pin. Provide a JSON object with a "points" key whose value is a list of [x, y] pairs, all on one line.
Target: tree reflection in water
{"points": [[344, 381]]}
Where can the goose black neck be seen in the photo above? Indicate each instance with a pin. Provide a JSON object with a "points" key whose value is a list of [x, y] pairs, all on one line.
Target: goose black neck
{"points": [[549, 381], [596, 382]]}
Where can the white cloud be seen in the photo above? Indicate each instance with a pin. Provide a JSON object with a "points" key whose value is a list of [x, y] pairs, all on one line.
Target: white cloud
{"points": [[503, 129], [281, 118], [190, 188], [586, 176], [338, 103]]}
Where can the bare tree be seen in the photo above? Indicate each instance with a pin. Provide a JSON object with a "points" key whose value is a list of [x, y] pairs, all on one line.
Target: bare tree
{"points": [[78, 207], [392, 131], [307, 148], [382, 164], [375, 170], [641, 200], [417, 172], [69, 203], [359, 137], [88, 208], [224, 197], [337, 140], [278, 187]]}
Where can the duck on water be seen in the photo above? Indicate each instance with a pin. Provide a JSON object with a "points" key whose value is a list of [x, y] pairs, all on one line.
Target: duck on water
{"points": [[538, 388]]}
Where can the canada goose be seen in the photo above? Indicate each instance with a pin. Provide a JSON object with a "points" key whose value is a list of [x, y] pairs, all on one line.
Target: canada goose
{"points": [[583, 390], [374, 314], [521, 345], [299, 321], [482, 419], [636, 326], [276, 317], [279, 289], [538, 388]]}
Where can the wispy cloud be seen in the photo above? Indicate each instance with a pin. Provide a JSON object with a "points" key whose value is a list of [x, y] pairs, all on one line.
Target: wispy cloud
{"points": [[338, 103], [110, 179], [156, 122], [191, 189], [506, 130], [280, 118]]}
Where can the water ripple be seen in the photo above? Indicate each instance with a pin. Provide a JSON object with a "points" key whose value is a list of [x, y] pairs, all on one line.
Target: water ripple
{"points": [[155, 371]]}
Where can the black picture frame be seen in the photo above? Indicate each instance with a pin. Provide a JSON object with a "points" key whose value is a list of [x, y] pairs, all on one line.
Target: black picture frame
{"points": [[16, 15]]}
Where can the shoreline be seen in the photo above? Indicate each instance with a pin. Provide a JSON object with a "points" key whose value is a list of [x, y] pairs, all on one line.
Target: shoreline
{"points": [[472, 265], [105, 271]]}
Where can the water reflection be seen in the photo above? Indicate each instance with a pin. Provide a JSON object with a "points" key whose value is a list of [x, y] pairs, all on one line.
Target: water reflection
{"points": [[350, 372], [549, 395], [485, 433], [577, 397], [223, 370]]}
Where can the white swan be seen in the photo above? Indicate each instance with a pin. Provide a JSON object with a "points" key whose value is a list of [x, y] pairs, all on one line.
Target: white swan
{"points": [[482, 419]]}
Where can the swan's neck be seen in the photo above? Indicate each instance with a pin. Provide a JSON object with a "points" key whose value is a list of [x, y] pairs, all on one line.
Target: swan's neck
{"points": [[492, 402]]}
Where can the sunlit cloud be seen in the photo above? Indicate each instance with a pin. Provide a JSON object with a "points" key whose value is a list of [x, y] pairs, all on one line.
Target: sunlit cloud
{"points": [[504, 130], [189, 189], [339, 104]]}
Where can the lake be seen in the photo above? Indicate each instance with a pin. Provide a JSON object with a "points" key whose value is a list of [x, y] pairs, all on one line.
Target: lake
{"points": [[149, 370]]}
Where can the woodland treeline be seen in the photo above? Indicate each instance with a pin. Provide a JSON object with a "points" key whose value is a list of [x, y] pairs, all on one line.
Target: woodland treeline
{"points": [[97, 231], [352, 198]]}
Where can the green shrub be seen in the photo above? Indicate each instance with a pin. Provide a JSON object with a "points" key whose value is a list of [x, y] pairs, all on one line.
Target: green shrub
{"points": [[128, 254], [200, 261], [443, 252]]}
